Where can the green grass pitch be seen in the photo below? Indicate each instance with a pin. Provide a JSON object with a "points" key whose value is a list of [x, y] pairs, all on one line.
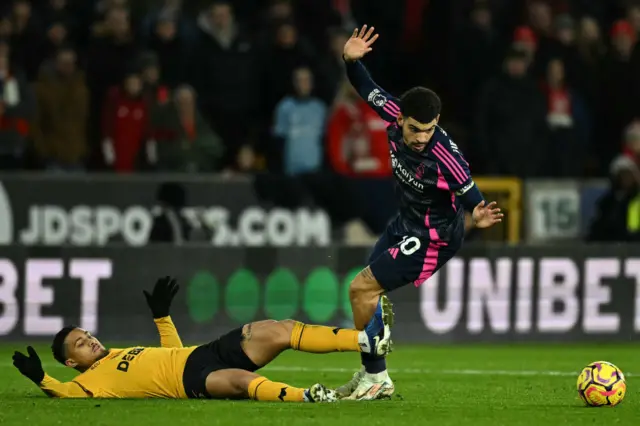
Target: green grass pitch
{"points": [[442, 385]]}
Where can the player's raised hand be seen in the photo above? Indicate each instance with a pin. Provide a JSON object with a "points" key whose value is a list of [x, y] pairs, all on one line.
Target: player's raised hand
{"points": [[163, 293], [30, 366], [487, 215], [359, 44]]}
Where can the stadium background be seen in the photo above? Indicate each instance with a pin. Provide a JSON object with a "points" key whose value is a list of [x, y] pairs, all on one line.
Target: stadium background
{"points": [[144, 138], [220, 143]]}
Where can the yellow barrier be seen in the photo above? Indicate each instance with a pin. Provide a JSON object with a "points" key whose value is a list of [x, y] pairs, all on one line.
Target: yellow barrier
{"points": [[507, 192]]}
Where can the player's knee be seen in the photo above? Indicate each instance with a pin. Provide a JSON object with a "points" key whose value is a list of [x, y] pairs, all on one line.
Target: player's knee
{"points": [[363, 287], [240, 385], [280, 333], [286, 328]]}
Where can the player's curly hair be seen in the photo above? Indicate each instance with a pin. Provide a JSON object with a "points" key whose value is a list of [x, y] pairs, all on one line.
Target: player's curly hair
{"points": [[57, 347], [421, 104]]}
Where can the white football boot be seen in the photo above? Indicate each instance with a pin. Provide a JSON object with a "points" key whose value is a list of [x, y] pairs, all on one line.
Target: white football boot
{"points": [[364, 386], [373, 386]]}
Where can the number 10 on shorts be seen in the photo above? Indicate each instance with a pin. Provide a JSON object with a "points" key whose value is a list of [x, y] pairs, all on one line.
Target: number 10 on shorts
{"points": [[409, 245]]}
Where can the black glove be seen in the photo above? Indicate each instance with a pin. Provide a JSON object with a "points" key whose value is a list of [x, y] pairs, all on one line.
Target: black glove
{"points": [[30, 366], [163, 293]]}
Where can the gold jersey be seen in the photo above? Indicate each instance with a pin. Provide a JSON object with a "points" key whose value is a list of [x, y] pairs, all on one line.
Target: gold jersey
{"points": [[136, 372]]}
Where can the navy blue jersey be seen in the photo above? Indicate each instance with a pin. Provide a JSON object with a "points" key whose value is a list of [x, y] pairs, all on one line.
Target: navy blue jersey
{"points": [[428, 183]]}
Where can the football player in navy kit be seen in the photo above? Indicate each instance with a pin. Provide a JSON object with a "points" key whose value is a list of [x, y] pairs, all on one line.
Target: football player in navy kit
{"points": [[433, 187]]}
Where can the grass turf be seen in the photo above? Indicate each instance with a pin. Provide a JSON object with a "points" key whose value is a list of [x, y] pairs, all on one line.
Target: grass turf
{"points": [[443, 385]]}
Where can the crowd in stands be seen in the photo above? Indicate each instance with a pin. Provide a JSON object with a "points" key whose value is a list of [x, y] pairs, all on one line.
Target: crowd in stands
{"points": [[530, 87]]}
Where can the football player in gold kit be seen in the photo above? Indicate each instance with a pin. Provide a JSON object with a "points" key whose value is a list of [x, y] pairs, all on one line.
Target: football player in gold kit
{"points": [[222, 369]]}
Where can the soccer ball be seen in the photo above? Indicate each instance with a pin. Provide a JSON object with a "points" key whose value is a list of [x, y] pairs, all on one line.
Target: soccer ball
{"points": [[601, 383]]}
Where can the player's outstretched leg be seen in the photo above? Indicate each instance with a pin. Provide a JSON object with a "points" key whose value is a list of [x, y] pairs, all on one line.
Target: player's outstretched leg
{"points": [[372, 311], [263, 341], [242, 384], [260, 342]]}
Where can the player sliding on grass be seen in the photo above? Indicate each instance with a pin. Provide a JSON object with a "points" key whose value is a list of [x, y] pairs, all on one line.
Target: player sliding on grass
{"points": [[433, 182], [224, 368]]}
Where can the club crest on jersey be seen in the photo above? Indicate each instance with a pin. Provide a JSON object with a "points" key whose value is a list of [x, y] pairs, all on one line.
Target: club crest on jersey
{"points": [[420, 171], [377, 98], [394, 162]]}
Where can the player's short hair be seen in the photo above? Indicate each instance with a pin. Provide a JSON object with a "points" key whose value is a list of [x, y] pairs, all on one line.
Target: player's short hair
{"points": [[57, 347], [421, 104]]}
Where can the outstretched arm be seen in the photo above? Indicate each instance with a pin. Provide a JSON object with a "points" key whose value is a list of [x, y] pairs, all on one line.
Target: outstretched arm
{"points": [[160, 302], [381, 101], [169, 337], [31, 367], [56, 389]]}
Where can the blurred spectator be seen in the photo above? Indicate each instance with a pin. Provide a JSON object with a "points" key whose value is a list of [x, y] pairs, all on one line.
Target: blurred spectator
{"points": [[631, 147], [540, 18], [57, 14], [5, 50], [525, 40], [226, 74], [567, 124], [477, 48], [60, 127], [563, 46], [313, 17], [125, 119], [247, 161], [333, 71], [110, 54], [169, 11], [16, 109], [589, 42], [59, 11], [510, 127], [299, 126], [14, 90], [57, 36], [101, 11], [5, 28], [357, 137], [612, 220], [592, 49], [633, 16], [172, 49], [343, 12], [278, 11], [169, 225], [615, 105], [183, 141], [155, 93], [288, 53], [25, 38], [13, 139]]}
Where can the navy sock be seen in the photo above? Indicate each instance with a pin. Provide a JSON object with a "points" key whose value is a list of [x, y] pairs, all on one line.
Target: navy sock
{"points": [[372, 363]]}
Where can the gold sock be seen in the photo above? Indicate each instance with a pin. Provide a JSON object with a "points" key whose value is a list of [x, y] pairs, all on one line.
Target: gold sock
{"points": [[319, 339], [263, 389]]}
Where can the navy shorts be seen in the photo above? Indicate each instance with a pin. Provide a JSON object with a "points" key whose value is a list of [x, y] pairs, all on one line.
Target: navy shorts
{"points": [[400, 258]]}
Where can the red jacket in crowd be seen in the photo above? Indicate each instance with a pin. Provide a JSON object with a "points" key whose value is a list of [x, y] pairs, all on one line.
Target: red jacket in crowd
{"points": [[357, 141], [125, 123]]}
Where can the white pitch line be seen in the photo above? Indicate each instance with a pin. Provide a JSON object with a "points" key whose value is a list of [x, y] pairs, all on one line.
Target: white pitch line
{"points": [[461, 372], [450, 372]]}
